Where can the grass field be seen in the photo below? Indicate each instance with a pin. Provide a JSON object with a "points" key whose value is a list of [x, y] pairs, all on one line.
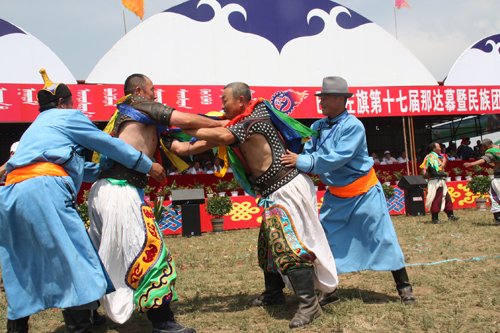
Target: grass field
{"points": [[218, 274]]}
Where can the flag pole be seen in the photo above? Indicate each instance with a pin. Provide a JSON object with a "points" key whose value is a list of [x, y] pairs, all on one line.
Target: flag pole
{"points": [[395, 23], [124, 22]]}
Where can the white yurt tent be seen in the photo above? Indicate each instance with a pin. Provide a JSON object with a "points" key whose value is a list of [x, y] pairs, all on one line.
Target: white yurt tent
{"points": [[263, 43], [23, 56]]}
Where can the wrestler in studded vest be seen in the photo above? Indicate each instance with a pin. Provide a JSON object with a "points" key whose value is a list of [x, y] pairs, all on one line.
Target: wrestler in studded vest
{"points": [[156, 113], [277, 175]]}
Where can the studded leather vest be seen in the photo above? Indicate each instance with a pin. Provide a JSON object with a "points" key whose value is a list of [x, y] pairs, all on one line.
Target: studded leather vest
{"points": [[277, 175]]}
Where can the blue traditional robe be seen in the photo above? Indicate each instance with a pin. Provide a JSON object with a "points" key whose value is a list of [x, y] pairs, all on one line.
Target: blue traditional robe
{"points": [[359, 229], [47, 258]]}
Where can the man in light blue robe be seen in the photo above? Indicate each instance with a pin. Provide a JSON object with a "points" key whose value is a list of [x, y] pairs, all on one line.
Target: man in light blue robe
{"points": [[355, 216], [47, 258]]}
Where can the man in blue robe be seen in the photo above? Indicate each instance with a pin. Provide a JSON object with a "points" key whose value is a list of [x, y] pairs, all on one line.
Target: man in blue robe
{"points": [[354, 212], [47, 258]]}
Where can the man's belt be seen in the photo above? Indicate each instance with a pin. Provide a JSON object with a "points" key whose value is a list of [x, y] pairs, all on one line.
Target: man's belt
{"points": [[357, 187], [121, 172], [266, 186], [35, 170]]}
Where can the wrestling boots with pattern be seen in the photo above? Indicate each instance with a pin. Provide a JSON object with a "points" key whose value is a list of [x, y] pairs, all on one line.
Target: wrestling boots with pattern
{"points": [[274, 291], [302, 281], [403, 286], [78, 321], [171, 327], [328, 298]]}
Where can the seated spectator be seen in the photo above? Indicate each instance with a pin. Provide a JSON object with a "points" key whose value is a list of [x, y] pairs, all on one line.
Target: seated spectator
{"points": [[172, 170], [208, 168], [375, 158], [388, 159], [464, 151], [196, 169], [402, 158], [217, 164]]}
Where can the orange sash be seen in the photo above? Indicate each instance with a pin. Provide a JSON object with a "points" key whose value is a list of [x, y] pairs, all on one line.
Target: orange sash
{"points": [[35, 170], [358, 187]]}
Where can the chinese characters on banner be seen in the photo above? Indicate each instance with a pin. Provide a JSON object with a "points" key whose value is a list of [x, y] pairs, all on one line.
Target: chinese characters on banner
{"points": [[18, 101]]}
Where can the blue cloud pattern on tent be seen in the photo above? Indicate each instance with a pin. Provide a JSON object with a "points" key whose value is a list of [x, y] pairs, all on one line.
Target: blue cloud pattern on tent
{"points": [[278, 21], [6, 29], [487, 44]]}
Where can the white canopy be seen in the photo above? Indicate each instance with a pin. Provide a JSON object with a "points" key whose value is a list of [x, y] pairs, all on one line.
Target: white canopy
{"points": [[263, 43], [479, 65], [23, 56]]}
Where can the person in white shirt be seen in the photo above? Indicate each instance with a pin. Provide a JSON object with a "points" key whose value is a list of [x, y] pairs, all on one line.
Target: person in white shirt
{"points": [[196, 168], [375, 158], [402, 158], [217, 166], [388, 159], [208, 168]]}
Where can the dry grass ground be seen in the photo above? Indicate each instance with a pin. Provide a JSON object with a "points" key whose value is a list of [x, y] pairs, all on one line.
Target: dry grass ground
{"points": [[218, 274]]}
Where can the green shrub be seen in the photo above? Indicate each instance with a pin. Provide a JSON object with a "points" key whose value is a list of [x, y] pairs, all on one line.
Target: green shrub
{"points": [[218, 206]]}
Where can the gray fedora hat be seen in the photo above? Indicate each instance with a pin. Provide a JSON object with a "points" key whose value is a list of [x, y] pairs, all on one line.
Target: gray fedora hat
{"points": [[334, 85]]}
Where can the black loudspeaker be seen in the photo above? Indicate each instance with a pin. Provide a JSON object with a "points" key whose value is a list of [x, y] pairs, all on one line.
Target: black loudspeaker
{"points": [[191, 224], [409, 182], [414, 202]]}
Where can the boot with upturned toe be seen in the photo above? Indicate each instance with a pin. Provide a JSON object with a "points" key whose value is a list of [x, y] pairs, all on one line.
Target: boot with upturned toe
{"points": [[328, 298], [171, 327], [274, 291], [302, 281], [403, 286]]}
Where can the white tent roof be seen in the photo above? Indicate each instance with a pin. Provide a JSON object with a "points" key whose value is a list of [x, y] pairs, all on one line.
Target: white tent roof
{"points": [[263, 43], [23, 56], [479, 65]]}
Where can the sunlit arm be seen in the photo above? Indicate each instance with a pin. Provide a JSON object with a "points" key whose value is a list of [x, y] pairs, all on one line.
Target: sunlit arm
{"points": [[187, 148], [219, 136]]}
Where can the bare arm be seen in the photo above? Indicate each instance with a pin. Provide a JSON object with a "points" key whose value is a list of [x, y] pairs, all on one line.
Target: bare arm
{"points": [[219, 136], [478, 162], [186, 148], [191, 121], [3, 170]]}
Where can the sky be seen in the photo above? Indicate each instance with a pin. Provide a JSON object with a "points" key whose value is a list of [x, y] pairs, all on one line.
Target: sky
{"points": [[80, 32]]}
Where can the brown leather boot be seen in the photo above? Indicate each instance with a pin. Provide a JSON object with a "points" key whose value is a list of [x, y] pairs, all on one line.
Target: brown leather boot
{"points": [[303, 284]]}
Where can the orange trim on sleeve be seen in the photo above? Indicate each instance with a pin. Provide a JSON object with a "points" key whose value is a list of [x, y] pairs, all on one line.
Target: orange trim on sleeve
{"points": [[35, 170], [358, 187]]}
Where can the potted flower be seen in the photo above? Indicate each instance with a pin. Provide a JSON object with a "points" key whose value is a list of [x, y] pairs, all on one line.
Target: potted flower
{"points": [[448, 178], [234, 187], [468, 175], [148, 189], [196, 185], [491, 173], [478, 169], [209, 191], [218, 206], [315, 179], [83, 209], [480, 186], [398, 175], [458, 171], [388, 191], [167, 190], [387, 177], [221, 187]]}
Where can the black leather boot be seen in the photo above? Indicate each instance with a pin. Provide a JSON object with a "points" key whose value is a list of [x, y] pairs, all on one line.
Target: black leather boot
{"points": [[78, 321], [497, 218], [452, 217], [435, 218], [302, 281], [274, 291], [18, 326], [403, 286], [328, 298]]}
